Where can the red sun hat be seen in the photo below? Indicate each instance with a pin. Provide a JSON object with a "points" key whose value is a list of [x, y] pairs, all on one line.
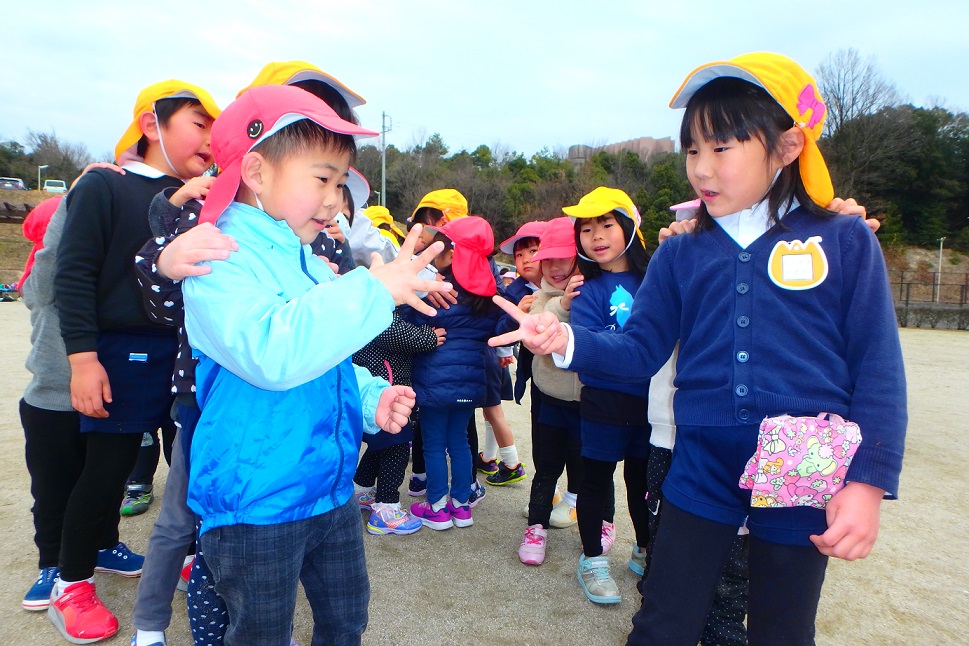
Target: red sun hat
{"points": [[527, 230], [257, 114], [557, 240], [473, 242]]}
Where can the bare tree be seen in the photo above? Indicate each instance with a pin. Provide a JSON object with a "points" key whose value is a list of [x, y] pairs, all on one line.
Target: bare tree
{"points": [[853, 87]]}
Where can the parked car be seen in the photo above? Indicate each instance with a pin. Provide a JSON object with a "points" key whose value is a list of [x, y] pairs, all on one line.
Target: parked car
{"points": [[55, 186], [12, 184]]}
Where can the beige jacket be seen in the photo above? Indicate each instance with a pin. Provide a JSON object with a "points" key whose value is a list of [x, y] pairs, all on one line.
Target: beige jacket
{"points": [[555, 382]]}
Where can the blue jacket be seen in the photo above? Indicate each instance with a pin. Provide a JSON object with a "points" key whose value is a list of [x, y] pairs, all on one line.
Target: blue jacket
{"points": [[455, 373], [283, 408], [751, 348]]}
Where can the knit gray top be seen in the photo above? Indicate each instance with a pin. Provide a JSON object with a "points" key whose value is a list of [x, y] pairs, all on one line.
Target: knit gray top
{"points": [[50, 387]]}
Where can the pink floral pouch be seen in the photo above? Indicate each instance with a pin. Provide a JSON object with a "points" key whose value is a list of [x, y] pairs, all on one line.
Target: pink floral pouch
{"points": [[800, 461]]}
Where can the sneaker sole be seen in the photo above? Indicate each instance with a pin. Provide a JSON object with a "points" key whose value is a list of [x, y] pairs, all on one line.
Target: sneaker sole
{"points": [[505, 482], [462, 523], [637, 569], [594, 599], [36, 606], [379, 531], [437, 526], [125, 573], [490, 473], [531, 559], [57, 620]]}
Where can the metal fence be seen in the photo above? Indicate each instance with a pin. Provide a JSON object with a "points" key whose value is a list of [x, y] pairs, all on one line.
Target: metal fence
{"points": [[947, 288]]}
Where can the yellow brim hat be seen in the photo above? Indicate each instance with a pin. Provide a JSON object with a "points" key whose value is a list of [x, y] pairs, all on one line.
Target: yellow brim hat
{"points": [[289, 72], [381, 215], [448, 201], [794, 89], [605, 200], [170, 89]]}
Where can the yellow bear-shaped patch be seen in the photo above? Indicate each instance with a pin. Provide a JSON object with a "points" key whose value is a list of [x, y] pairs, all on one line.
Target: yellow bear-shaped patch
{"points": [[798, 265]]}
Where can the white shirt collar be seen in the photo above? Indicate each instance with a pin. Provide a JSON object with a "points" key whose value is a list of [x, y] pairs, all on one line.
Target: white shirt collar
{"points": [[748, 225], [143, 169]]}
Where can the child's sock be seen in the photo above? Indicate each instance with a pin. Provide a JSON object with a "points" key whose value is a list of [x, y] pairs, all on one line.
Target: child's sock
{"points": [[149, 637], [440, 504], [509, 455], [360, 489], [62, 585], [457, 503], [490, 451], [570, 497]]}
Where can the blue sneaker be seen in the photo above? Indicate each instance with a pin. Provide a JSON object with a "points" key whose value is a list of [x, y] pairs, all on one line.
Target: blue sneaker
{"points": [[120, 560], [391, 519], [134, 642], [38, 597], [477, 494], [417, 486]]}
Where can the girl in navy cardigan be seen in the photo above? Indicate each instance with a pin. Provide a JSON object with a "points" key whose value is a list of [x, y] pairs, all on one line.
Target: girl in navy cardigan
{"points": [[451, 380], [778, 308], [612, 412]]}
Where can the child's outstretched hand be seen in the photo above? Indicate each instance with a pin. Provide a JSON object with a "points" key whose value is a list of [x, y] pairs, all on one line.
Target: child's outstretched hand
{"points": [[571, 291], [394, 407], [194, 189], [199, 244], [400, 275], [541, 333], [852, 516]]}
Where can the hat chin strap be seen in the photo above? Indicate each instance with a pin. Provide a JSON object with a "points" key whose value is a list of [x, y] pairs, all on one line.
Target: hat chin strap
{"points": [[628, 244], [161, 143]]}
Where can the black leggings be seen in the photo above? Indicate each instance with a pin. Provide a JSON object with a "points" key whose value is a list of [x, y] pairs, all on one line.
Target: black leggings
{"points": [[54, 448], [690, 553], [95, 501], [147, 462], [597, 501], [559, 447], [386, 468]]}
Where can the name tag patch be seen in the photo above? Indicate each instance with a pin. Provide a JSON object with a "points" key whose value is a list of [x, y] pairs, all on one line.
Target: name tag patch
{"points": [[797, 265]]}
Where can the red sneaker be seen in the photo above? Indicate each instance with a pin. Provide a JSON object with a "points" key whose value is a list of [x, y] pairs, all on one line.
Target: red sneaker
{"points": [[80, 616]]}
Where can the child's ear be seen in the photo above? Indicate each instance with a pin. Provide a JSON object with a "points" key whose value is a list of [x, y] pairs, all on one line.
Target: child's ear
{"points": [[149, 125], [254, 171], [792, 143]]}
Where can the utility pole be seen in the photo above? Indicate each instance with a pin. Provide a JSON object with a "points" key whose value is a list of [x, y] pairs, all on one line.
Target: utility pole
{"points": [[384, 129], [938, 275]]}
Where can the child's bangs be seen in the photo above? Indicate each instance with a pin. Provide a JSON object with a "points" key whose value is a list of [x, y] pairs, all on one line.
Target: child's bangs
{"points": [[730, 108], [715, 119]]}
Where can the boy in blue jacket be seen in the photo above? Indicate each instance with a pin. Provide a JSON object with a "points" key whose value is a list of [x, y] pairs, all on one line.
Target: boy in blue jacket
{"points": [[282, 406]]}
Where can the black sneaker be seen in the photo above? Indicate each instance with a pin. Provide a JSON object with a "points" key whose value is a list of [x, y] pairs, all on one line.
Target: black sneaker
{"points": [[477, 494], [506, 475]]}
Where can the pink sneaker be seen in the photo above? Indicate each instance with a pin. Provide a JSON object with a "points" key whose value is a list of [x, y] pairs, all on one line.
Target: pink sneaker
{"points": [[80, 616], [608, 536], [438, 520], [461, 516], [532, 549]]}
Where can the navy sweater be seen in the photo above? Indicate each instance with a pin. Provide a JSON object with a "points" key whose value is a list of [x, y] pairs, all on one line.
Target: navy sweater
{"points": [[751, 349]]}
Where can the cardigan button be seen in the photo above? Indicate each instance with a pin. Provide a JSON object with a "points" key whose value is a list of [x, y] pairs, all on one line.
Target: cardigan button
{"points": [[743, 414], [741, 390], [743, 321], [744, 256], [742, 356], [743, 288]]}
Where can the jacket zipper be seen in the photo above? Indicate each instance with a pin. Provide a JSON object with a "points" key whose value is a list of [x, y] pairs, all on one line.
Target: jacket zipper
{"points": [[339, 401]]}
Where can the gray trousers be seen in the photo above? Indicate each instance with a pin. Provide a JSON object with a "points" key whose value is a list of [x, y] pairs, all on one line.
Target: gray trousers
{"points": [[168, 545]]}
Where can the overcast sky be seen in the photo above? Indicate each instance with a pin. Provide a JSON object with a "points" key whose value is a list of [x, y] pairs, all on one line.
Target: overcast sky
{"points": [[520, 74]]}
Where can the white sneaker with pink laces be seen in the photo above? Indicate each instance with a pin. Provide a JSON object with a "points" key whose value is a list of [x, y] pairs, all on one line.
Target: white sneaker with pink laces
{"points": [[608, 536], [532, 549]]}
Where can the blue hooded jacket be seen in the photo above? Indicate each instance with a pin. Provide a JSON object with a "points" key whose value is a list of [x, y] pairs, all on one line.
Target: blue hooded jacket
{"points": [[283, 408]]}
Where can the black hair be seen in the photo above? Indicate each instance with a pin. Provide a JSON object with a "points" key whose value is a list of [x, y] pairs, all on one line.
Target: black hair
{"points": [[524, 243], [479, 304], [636, 252], [348, 198], [164, 109], [731, 108], [426, 215], [301, 136], [330, 96]]}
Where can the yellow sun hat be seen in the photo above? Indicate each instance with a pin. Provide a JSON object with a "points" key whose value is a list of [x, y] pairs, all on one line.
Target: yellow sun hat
{"points": [[448, 201], [381, 215], [794, 89], [126, 148], [289, 72], [603, 200]]}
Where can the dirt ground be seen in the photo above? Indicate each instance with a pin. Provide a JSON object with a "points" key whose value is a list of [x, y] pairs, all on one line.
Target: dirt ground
{"points": [[466, 586]]}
